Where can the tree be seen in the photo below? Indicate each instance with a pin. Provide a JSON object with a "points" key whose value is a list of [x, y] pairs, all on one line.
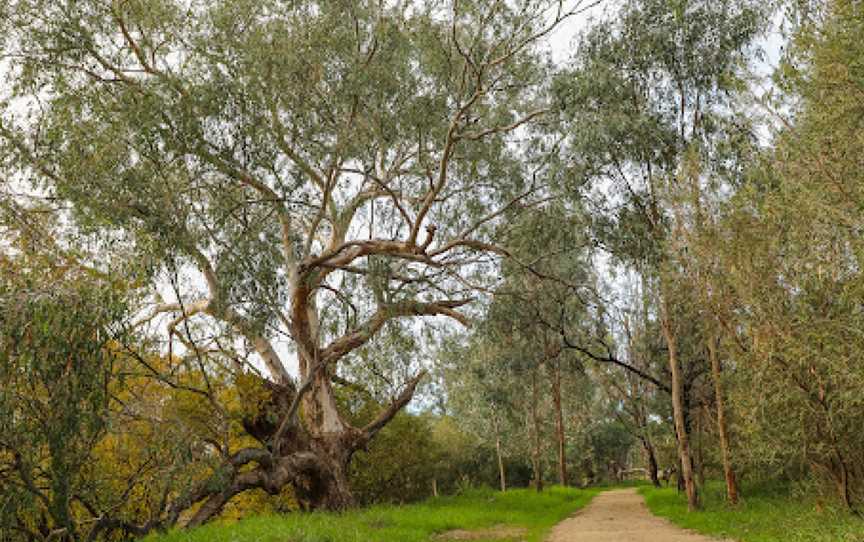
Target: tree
{"points": [[791, 257], [59, 355], [517, 340], [646, 92], [638, 398], [326, 173], [482, 393]]}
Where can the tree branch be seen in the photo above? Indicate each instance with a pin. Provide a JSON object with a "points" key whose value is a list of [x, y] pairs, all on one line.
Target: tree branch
{"points": [[363, 334], [383, 418], [609, 358]]}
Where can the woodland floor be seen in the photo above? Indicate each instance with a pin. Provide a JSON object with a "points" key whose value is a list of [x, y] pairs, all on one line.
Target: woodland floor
{"points": [[768, 512], [519, 515], [620, 515]]}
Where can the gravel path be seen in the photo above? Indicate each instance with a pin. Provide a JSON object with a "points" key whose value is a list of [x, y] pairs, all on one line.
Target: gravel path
{"points": [[620, 516]]}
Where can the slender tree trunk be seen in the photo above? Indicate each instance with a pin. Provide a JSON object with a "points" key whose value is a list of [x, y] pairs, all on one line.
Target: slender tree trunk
{"points": [[652, 460], [535, 418], [559, 425], [699, 451], [838, 466], [686, 472], [501, 474], [728, 471], [843, 482]]}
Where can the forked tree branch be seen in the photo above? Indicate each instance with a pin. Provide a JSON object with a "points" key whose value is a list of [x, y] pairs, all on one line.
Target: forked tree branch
{"points": [[384, 417]]}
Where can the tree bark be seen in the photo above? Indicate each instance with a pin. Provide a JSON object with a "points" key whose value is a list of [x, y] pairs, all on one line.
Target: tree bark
{"points": [[327, 489], [313, 462], [843, 483], [315, 467], [698, 451], [535, 418], [684, 453], [501, 474], [652, 460], [559, 424], [728, 471]]}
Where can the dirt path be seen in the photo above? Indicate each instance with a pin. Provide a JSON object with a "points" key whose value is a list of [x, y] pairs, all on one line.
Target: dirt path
{"points": [[620, 516]]}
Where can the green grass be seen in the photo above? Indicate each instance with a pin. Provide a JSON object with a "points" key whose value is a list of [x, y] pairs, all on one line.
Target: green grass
{"points": [[476, 509], [767, 513]]}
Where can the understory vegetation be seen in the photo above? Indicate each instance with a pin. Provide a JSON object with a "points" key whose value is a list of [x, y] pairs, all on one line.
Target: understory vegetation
{"points": [[524, 514], [771, 512], [287, 259]]}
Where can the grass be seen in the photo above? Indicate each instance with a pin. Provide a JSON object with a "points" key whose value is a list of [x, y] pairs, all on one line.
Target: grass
{"points": [[475, 510], [767, 513]]}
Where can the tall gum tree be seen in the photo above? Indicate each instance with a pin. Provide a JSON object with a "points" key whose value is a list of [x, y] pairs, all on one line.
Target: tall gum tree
{"points": [[328, 170], [645, 92], [791, 251]]}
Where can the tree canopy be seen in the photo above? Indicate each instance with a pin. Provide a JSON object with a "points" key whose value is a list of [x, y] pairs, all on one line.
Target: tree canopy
{"points": [[238, 238]]}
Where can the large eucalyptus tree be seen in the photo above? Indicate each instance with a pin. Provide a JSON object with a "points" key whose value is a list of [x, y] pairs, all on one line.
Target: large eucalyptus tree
{"points": [[327, 169]]}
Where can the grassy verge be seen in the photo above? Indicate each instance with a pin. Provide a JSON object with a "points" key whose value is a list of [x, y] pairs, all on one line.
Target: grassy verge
{"points": [[769, 513], [476, 510]]}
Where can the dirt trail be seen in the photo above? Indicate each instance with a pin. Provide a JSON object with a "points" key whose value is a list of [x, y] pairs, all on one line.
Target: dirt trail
{"points": [[620, 516]]}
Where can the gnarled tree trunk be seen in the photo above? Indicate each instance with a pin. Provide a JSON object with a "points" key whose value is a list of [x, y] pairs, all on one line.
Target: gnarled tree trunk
{"points": [[313, 462]]}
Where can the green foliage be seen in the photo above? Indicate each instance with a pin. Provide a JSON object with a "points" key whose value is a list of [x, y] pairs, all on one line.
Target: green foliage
{"points": [[415, 523], [792, 251], [280, 165], [60, 335], [609, 446], [160, 142], [644, 91], [417, 454], [399, 465], [296, 155]]}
